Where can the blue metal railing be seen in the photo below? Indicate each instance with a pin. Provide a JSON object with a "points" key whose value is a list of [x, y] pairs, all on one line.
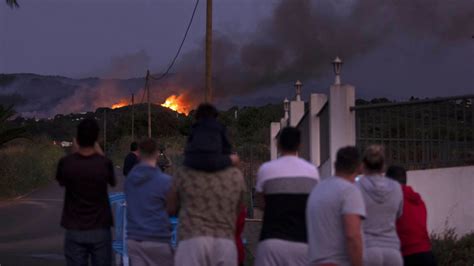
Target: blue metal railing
{"points": [[119, 243]]}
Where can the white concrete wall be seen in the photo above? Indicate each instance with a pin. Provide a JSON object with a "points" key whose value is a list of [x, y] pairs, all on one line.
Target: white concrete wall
{"points": [[305, 148], [274, 129], [316, 103], [342, 127], [449, 197], [325, 169], [296, 112]]}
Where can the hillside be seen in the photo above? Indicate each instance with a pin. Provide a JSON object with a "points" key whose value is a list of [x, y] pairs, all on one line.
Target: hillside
{"points": [[45, 96]]}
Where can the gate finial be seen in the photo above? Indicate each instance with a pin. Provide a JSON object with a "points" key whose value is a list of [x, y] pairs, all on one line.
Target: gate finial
{"points": [[337, 63]]}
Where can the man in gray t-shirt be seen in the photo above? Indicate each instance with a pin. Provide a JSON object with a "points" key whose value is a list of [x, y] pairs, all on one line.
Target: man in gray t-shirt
{"points": [[334, 212]]}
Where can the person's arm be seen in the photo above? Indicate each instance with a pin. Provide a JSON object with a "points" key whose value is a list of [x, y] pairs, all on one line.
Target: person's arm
{"points": [[226, 146], [75, 146], [111, 179], [98, 149], [353, 235], [125, 169], [59, 173], [172, 205], [400, 207]]}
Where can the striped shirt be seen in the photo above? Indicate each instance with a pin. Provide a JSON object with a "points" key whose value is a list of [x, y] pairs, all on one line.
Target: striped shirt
{"points": [[286, 184]]}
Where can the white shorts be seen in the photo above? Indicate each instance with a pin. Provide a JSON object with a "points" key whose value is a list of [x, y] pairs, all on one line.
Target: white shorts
{"points": [[206, 251], [281, 252]]}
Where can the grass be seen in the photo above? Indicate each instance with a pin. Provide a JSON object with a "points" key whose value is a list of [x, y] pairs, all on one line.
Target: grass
{"points": [[26, 165]]}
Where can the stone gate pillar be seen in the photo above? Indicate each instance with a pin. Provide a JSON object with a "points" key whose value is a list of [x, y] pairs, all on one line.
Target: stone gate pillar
{"points": [[342, 126]]}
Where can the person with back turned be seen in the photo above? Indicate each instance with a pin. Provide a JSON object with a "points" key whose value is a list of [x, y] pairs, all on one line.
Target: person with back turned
{"points": [[334, 215], [383, 199], [87, 216], [131, 159], [411, 226], [283, 186], [148, 225]]}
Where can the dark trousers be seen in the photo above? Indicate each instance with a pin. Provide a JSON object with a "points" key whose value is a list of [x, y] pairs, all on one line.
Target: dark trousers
{"points": [[93, 245], [420, 259]]}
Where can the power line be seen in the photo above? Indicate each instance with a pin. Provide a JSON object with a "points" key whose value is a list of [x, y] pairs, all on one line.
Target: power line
{"points": [[180, 46]]}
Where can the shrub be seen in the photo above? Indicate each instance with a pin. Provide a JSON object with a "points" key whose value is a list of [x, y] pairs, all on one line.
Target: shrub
{"points": [[26, 165], [450, 249]]}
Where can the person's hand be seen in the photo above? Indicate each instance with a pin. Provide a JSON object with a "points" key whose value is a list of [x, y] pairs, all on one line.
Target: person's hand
{"points": [[98, 149], [75, 146], [235, 159]]}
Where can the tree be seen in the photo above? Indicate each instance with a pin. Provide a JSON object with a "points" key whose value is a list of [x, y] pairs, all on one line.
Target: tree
{"points": [[8, 133], [12, 3]]}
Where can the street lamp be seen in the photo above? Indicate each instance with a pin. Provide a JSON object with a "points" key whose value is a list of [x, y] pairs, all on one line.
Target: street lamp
{"points": [[298, 86], [286, 107], [337, 63]]}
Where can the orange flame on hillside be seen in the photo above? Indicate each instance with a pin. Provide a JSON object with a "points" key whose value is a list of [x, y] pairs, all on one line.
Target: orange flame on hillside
{"points": [[120, 104], [178, 104]]}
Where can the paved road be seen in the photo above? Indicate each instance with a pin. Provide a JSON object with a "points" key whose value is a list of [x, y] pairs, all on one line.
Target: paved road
{"points": [[30, 234]]}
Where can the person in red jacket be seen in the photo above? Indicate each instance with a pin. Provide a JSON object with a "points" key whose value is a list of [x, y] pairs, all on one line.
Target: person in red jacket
{"points": [[411, 226], [239, 229]]}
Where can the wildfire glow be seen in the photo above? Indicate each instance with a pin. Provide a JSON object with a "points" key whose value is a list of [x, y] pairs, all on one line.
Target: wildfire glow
{"points": [[177, 103], [120, 104]]}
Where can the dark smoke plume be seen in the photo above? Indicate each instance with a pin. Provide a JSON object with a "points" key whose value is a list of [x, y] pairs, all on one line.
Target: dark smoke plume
{"points": [[297, 41], [302, 37]]}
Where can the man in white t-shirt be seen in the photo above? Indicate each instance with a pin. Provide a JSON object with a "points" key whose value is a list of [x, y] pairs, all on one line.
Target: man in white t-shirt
{"points": [[284, 185], [334, 215]]}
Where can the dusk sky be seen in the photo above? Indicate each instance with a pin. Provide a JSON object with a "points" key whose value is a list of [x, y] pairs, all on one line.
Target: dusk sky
{"points": [[419, 52], [81, 38]]}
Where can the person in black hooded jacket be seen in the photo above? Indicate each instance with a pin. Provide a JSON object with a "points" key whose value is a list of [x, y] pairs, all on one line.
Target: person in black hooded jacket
{"points": [[208, 147]]}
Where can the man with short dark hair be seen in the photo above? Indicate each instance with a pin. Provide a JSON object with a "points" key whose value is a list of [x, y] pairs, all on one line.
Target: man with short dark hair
{"points": [[283, 185], [131, 159], [148, 226], [334, 215], [412, 225], [86, 216]]}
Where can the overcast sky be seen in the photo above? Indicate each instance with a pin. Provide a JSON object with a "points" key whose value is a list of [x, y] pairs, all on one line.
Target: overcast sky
{"points": [[82, 38]]}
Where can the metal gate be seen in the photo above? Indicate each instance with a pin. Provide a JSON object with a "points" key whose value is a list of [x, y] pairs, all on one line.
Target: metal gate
{"points": [[420, 134]]}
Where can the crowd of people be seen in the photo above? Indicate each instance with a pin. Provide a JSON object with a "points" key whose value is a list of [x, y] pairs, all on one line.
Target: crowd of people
{"points": [[360, 216]]}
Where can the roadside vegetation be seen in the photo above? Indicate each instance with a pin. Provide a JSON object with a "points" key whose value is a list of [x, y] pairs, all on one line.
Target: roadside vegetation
{"points": [[26, 165], [9, 132], [452, 250]]}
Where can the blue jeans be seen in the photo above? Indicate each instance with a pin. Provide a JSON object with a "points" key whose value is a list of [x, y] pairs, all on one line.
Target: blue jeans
{"points": [[96, 245]]}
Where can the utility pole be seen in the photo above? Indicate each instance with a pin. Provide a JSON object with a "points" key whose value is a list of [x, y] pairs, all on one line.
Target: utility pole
{"points": [[105, 130], [133, 117], [147, 88], [208, 77]]}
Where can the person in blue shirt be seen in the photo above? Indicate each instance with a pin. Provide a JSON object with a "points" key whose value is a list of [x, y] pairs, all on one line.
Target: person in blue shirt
{"points": [[148, 225]]}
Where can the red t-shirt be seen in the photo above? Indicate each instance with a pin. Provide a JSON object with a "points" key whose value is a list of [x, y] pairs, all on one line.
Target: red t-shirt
{"points": [[411, 226]]}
